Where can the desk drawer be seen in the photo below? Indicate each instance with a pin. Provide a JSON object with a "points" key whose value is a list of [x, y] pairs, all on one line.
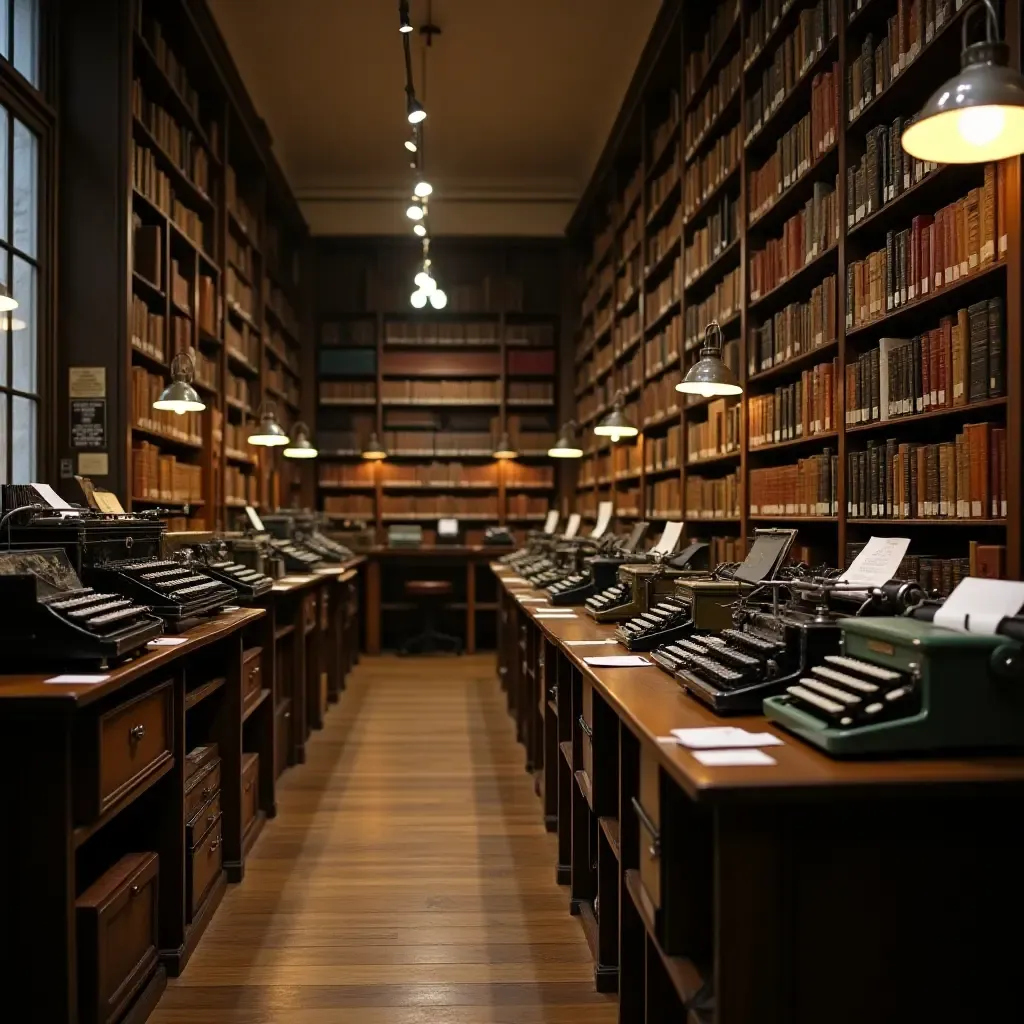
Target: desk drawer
{"points": [[116, 925], [121, 748], [282, 737], [252, 674], [250, 789], [586, 724], [309, 612], [325, 610], [197, 825], [204, 865], [200, 788], [647, 806]]}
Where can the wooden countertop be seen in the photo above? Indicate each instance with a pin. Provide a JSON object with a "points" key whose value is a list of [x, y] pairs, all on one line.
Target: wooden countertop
{"points": [[34, 687], [652, 704], [343, 572], [434, 550]]}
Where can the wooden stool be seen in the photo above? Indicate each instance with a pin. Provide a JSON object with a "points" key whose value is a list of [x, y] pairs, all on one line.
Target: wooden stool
{"points": [[429, 640]]}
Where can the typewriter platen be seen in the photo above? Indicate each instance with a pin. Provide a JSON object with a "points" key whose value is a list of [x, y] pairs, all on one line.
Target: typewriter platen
{"points": [[773, 642], [900, 685], [50, 617]]}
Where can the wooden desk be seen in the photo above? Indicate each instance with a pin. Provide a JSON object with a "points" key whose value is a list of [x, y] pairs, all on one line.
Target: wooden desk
{"points": [[760, 882], [469, 558]]}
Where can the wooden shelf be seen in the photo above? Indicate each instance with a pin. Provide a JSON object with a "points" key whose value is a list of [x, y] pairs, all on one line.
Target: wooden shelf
{"points": [[898, 422], [200, 693], [610, 828], [167, 440], [795, 442]]}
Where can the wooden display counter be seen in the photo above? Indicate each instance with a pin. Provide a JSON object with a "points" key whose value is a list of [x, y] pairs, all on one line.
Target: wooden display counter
{"points": [[806, 891], [132, 801]]}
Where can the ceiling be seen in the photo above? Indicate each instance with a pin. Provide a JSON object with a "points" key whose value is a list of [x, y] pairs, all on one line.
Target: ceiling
{"points": [[520, 97]]}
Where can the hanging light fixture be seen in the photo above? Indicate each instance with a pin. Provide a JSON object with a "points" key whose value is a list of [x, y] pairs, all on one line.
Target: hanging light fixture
{"points": [[179, 396], [415, 210], [616, 424], [422, 189], [415, 111], [301, 447], [710, 376], [410, 144], [269, 433], [374, 450], [419, 228], [7, 301], [978, 115], [505, 449], [404, 24], [418, 298], [438, 299], [565, 447]]}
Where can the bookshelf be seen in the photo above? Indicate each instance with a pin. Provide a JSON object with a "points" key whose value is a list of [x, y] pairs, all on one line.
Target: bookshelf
{"points": [[215, 262], [439, 388], [799, 225]]}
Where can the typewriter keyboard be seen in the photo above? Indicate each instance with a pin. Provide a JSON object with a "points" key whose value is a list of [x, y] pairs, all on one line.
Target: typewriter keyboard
{"points": [[99, 613], [575, 580], [663, 615], [619, 594], [849, 692]]}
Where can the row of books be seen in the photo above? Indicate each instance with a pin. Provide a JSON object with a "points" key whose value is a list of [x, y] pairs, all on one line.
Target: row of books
{"points": [[625, 331], [663, 452], [182, 146], [207, 307], [359, 333], [960, 479], [884, 172], [181, 287], [161, 477], [798, 328], [189, 223], [659, 397], [724, 549], [632, 232], [354, 506], [912, 26], [631, 192], [207, 368], [662, 185], [275, 378], [278, 302], [348, 390], [400, 332], [628, 279], [720, 230], [236, 439], [440, 390], [627, 501], [795, 154], [720, 305], [146, 329], [719, 434], [244, 342], [146, 388], [241, 486], [520, 474], [722, 21], [933, 253], [664, 293], [632, 373], [664, 498], [148, 250], [238, 292], [439, 505], [525, 505], [663, 132], [717, 498], [804, 408], [664, 348], [806, 488], [240, 255], [528, 390], [238, 388], [630, 461], [705, 175], [701, 118], [959, 362], [494, 293], [241, 210], [805, 236], [665, 237], [148, 179]]}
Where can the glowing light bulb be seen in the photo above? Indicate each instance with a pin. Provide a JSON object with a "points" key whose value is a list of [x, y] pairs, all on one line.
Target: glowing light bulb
{"points": [[414, 212], [410, 145], [418, 299], [981, 126], [420, 229], [423, 189], [438, 299], [424, 282]]}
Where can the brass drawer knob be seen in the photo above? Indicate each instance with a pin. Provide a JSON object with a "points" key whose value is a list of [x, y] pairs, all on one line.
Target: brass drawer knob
{"points": [[136, 733], [214, 844]]}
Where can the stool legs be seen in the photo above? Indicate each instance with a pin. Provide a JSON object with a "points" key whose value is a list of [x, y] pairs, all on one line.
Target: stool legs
{"points": [[430, 640]]}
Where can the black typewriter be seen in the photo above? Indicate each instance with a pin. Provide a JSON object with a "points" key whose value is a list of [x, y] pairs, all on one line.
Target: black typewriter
{"points": [[779, 632], [50, 618], [120, 553], [303, 528], [287, 541], [214, 559], [599, 570], [256, 552]]}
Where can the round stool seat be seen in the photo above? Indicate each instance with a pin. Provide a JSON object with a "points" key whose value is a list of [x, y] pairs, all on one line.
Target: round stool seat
{"points": [[428, 588]]}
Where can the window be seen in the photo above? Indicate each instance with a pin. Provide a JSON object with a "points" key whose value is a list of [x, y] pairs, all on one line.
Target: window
{"points": [[21, 234]]}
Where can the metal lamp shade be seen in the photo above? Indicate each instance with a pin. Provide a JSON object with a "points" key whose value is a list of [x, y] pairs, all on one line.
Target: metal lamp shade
{"points": [[565, 446], [374, 451], [270, 433], [301, 447], [615, 425], [7, 301], [505, 448], [975, 117], [709, 377], [179, 396]]}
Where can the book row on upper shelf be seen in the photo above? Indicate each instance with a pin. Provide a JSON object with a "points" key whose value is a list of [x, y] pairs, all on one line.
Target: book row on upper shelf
{"points": [[796, 329], [717, 498], [718, 435], [723, 20], [964, 478], [705, 175], [720, 230], [805, 488], [807, 407]]}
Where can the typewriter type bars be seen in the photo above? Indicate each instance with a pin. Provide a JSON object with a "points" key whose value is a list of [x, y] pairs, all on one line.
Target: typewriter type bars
{"points": [[296, 557], [46, 605], [180, 594]]}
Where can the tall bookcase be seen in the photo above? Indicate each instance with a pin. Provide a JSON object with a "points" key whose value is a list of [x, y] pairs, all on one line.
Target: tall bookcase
{"points": [[775, 199], [439, 388], [206, 252]]}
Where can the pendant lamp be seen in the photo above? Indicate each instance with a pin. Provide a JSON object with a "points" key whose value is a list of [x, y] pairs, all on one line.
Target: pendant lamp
{"points": [[616, 424], [179, 396], [301, 447], [505, 448], [978, 115], [270, 433], [374, 450], [710, 376], [565, 447]]}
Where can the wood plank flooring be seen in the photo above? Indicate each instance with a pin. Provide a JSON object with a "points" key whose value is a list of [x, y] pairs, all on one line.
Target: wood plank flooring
{"points": [[407, 878]]}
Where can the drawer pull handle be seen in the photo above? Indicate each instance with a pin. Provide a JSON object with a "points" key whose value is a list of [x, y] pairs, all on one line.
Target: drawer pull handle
{"points": [[587, 731], [214, 844], [207, 793], [248, 786], [136, 733], [553, 693], [134, 890], [654, 850]]}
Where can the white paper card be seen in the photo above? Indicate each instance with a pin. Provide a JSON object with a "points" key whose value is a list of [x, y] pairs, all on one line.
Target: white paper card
{"points": [[670, 538], [572, 527], [76, 679], [551, 521], [588, 643], [230, 608], [719, 737], [618, 661], [168, 641], [604, 517], [732, 758], [532, 600], [297, 579], [514, 579], [547, 613], [977, 605], [878, 562], [254, 519], [50, 496]]}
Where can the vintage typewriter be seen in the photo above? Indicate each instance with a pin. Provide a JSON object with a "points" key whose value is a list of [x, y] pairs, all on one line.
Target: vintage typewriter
{"points": [[214, 558], [772, 641], [704, 605], [902, 685], [642, 583], [119, 553], [255, 551], [537, 542], [51, 618], [599, 570], [297, 537]]}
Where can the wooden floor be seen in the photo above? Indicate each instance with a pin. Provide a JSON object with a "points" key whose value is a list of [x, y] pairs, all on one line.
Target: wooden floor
{"points": [[407, 877]]}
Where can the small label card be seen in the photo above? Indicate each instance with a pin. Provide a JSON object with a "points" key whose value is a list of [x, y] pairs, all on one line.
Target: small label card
{"points": [[717, 737], [231, 608], [550, 613], [532, 600], [618, 661], [168, 641], [588, 643], [76, 679], [732, 758]]}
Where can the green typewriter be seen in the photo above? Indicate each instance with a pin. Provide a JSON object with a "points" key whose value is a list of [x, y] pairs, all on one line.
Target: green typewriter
{"points": [[904, 686]]}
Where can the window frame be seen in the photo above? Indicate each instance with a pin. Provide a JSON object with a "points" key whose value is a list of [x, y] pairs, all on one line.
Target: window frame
{"points": [[31, 106]]}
